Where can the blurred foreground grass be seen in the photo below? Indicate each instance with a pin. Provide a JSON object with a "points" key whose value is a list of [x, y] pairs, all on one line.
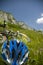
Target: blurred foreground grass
{"points": [[35, 45]]}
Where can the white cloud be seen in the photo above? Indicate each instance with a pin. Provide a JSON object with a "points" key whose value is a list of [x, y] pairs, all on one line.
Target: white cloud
{"points": [[41, 14], [40, 20]]}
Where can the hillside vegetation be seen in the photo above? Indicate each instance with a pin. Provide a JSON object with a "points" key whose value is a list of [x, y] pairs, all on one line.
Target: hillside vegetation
{"points": [[35, 45]]}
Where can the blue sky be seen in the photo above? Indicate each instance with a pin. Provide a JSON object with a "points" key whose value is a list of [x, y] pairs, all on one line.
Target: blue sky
{"points": [[28, 11]]}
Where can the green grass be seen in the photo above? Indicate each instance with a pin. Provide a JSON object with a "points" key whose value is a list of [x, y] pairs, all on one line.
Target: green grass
{"points": [[35, 46]]}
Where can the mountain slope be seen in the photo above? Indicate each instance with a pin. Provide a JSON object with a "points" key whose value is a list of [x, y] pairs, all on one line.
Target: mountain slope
{"points": [[4, 16], [35, 46]]}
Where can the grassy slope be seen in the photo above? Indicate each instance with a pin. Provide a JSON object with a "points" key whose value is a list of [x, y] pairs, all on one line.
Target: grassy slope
{"points": [[35, 46]]}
